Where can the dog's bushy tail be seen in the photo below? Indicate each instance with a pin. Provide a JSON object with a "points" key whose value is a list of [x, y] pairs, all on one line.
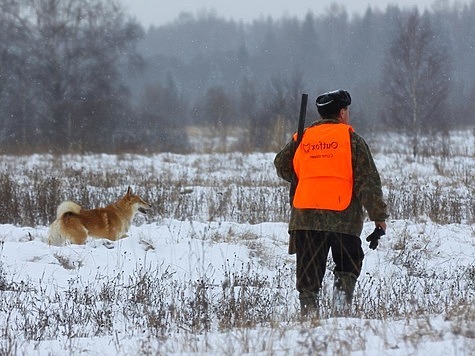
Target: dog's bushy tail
{"points": [[67, 207]]}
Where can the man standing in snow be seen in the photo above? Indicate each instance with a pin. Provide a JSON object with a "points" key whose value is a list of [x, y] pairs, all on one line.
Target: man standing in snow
{"points": [[336, 178]]}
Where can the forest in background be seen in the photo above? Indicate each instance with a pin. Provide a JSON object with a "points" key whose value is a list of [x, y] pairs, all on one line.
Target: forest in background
{"points": [[82, 76]]}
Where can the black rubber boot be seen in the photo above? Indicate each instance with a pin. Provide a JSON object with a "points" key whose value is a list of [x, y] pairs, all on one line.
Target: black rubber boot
{"points": [[308, 304], [343, 289]]}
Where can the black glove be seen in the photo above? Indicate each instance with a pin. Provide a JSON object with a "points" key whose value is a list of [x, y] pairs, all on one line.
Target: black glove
{"points": [[375, 236]]}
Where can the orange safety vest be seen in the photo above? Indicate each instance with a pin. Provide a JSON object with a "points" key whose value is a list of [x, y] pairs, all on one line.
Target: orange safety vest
{"points": [[322, 164]]}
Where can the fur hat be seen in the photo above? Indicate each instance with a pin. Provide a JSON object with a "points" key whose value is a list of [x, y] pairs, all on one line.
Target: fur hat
{"points": [[332, 102]]}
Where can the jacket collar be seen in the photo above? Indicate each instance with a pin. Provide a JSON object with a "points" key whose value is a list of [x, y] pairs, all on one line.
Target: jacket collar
{"points": [[325, 121]]}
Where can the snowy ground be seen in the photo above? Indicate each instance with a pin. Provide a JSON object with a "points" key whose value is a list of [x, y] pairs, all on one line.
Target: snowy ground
{"points": [[415, 296]]}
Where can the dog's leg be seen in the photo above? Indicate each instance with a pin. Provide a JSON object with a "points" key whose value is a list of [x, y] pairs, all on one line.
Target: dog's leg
{"points": [[54, 234], [78, 235]]}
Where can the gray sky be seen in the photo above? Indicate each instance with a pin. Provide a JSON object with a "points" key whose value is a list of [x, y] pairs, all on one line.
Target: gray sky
{"points": [[158, 12]]}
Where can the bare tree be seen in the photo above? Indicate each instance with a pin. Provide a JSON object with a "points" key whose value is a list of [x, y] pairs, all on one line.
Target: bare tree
{"points": [[415, 80], [72, 52], [14, 90], [248, 106], [285, 102], [219, 108], [162, 118]]}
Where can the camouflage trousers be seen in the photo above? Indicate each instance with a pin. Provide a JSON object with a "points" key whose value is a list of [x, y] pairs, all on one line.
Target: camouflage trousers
{"points": [[312, 252]]}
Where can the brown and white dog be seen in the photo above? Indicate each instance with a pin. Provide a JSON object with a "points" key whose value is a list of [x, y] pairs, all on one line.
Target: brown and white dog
{"points": [[75, 224]]}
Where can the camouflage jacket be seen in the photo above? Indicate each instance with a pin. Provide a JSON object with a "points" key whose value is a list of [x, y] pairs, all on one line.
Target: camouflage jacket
{"points": [[366, 192]]}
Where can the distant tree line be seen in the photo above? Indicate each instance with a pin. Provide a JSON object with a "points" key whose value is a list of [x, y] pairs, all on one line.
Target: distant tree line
{"points": [[61, 86], [82, 76]]}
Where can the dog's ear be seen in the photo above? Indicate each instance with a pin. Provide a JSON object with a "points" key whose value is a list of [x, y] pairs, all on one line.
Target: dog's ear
{"points": [[129, 191]]}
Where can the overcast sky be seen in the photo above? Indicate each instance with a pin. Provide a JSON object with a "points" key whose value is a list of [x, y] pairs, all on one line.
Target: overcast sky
{"points": [[159, 12]]}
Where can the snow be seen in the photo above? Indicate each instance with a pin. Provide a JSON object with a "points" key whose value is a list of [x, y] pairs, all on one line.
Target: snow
{"points": [[420, 281]]}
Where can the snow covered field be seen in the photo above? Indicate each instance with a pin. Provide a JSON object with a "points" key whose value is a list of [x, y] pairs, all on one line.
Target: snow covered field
{"points": [[208, 271]]}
